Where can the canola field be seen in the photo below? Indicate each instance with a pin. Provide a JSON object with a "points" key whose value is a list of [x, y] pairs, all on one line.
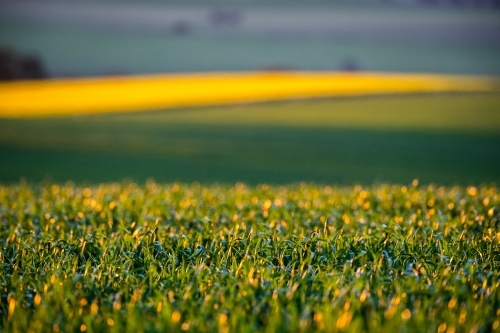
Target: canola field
{"points": [[123, 257], [97, 95]]}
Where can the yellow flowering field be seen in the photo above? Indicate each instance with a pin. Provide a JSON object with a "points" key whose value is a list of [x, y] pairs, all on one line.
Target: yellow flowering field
{"points": [[132, 93]]}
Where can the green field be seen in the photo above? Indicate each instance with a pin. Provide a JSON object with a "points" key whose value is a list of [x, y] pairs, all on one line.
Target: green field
{"points": [[298, 258], [445, 139], [261, 226]]}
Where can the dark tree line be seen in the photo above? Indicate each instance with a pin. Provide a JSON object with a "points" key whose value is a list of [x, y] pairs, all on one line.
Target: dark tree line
{"points": [[16, 66]]}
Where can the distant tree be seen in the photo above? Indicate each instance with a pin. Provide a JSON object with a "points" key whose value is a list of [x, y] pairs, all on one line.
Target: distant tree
{"points": [[14, 66]]}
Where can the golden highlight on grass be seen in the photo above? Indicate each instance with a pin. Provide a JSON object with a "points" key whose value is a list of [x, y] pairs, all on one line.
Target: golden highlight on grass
{"points": [[79, 96]]}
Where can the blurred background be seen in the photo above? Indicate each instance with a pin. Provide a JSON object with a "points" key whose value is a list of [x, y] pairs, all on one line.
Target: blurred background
{"points": [[441, 137], [108, 37]]}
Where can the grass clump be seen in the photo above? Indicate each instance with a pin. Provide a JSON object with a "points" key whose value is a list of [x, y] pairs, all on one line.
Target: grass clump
{"points": [[297, 258]]}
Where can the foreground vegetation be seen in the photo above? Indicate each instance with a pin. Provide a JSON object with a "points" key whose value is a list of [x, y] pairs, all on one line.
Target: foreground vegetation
{"points": [[297, 258]]}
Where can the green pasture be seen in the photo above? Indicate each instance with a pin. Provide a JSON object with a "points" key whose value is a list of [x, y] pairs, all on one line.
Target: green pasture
{"points": [[447, 139]]}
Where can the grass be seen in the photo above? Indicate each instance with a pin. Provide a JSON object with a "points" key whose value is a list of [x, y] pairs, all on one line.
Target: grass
{"points": [[119, 94], [123, 257], [447, 139]]}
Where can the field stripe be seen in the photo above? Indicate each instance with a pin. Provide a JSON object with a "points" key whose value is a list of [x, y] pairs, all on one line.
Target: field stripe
{"points": [[95, 95]]}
